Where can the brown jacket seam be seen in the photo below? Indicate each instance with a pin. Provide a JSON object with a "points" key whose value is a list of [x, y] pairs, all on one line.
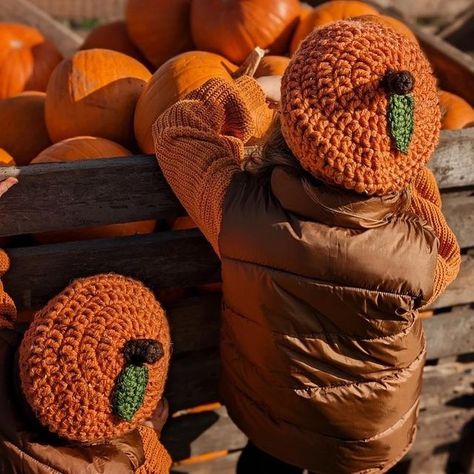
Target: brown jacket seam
{"points": [[315, 280], [316, 335], [34, 460]]}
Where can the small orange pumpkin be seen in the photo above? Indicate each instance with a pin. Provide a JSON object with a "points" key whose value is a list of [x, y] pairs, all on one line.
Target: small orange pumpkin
{"points": [[113, 36], [94, 93], [23, 130], [456, 113], [391, 22], [6, 159], [88, 148], [159, 28], [27, 59], [328, 13], [234, 28], [170, 83], [272, 66]]}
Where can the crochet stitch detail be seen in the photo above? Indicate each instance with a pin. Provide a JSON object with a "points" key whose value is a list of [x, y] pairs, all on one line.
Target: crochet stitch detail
{"points": [[140, 351], [334, 112], [130, 391], [400, 117]]}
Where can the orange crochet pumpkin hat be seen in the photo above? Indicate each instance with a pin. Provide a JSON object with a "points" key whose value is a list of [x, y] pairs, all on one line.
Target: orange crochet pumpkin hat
{"points": [[94, 361], [360, 107]]}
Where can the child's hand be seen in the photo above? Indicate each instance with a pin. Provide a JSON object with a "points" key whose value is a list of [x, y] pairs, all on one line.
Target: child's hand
{"points": [[271, 86], [159, 417], [6, 185]]}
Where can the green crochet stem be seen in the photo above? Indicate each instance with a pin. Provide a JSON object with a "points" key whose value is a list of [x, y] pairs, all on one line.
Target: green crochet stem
{"points": [[129, 391], [401, 119]]}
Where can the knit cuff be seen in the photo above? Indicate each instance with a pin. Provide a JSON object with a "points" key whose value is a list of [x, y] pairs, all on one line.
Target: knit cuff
{"points": [[250, 92]]}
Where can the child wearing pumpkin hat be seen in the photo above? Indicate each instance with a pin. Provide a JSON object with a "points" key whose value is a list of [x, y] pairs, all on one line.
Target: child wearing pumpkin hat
{"points": [[80, 390], [330, 243]]}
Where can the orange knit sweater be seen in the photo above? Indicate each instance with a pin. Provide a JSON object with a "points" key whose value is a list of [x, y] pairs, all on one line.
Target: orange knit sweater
{"points": [[199, 143]]}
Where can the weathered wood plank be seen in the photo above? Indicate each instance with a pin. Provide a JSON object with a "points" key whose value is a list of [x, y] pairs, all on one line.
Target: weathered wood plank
{"points": [[79, 194], [23, 11], [193, 435], [84, 9], [459, 211], [68, 195], [161, 260], [461, 291], [453, 161]]}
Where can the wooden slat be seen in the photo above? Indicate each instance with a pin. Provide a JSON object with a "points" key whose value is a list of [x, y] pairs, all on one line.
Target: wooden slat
{"points": [[453, 161], [459, 211], [67, 195], [220, 465], [23, 11], [194, 435], [83, 9], [161, 260], [461, 291]]}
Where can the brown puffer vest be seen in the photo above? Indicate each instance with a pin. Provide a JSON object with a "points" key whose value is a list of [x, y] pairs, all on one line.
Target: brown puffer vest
{"points": [[322, 350]]}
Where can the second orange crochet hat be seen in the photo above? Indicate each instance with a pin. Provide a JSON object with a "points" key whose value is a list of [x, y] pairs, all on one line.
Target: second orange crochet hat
{"points": [[94, 361], [360, 107]]}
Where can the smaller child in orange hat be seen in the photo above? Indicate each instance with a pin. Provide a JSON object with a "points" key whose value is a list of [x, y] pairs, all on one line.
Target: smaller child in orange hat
{"points": [[82, 389]]}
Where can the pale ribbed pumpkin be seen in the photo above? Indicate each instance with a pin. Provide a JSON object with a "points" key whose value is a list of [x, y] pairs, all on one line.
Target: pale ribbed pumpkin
{"points": [[88, 148], [455, 112], [94, 93], [23, 130], [391, 22], [6, 159], [234, 27], [159, 28], [170, 83], [272, 66], [328, 13], [113, 36], [27, 59]]}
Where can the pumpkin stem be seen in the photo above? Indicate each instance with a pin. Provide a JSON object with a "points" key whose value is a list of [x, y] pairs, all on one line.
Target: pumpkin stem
{"points": [[251, 63]]}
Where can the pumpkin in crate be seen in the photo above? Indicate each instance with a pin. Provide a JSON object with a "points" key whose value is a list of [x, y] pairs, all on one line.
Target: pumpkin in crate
{"points": [[94, 93], [391, 22], [328, 13], [27, 59], [23, 129], [6, 159], [159, 28], [272, 66], [455, 111], [88, 148], [234, 27], [173, 81], [113, 36]]}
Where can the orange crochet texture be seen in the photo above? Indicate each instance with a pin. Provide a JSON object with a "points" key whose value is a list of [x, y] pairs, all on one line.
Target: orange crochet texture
{"points": [[7, 307], [72, 355], [335, 110]]}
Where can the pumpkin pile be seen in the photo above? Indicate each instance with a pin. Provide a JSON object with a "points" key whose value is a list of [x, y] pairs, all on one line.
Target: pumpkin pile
{"points": [[103, 101]]}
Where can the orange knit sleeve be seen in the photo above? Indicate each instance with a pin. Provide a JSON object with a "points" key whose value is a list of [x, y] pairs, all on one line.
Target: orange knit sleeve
{"points": [[157, 459], [7, 307], [199, 144], [426, 203]]}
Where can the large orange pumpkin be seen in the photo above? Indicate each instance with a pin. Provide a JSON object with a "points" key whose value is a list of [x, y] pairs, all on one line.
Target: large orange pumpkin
{"points": [[6, 159], [159, 28], [455, 111], [113, 36], [171, 82], [88, 148], [94, 93], [234, 27], [27, 59], [393, 23], [272, 66], [23, 130], [327, 13]]}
